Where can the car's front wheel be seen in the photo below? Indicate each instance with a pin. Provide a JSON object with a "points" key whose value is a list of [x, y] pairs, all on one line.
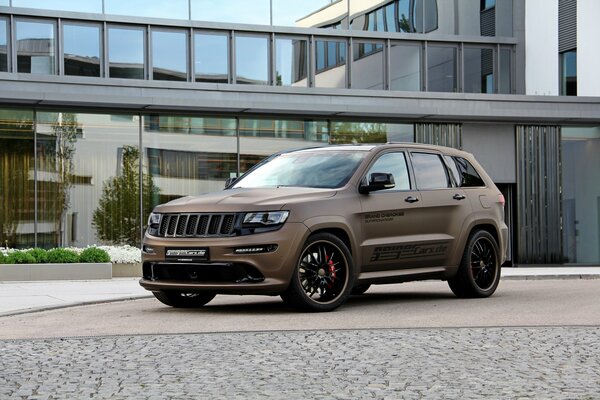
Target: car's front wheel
{"points": [[324, 275], [183, 300], [479, 271]]}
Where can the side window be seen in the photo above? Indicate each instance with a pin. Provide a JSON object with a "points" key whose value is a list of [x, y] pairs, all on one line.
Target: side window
{"points": [[394, 163], [430, 172], [468, 175]]}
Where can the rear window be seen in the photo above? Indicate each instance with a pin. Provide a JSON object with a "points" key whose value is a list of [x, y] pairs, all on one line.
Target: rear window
{"points": [[430, 172], [464, 173]]}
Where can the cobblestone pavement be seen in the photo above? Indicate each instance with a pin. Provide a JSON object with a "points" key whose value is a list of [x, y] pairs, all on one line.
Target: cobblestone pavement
{"points": [[498, 363]]}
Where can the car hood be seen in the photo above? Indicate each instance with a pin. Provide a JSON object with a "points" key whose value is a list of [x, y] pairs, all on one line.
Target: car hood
{"points": [[239, 200]]}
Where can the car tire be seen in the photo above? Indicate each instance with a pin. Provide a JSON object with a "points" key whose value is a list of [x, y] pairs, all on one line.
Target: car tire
{"points": [[323, 277], [183, 300], [479, 272], [360, 289]]}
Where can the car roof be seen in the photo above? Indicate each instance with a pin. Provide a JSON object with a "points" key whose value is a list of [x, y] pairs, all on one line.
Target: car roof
{"points": [[373, 146]]}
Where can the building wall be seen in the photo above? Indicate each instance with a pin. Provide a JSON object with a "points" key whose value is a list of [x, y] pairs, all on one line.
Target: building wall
{"points": [[541, 47]]}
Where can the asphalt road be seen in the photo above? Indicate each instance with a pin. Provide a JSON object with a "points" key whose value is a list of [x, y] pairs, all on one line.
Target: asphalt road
{"points": [[409, 305], [533, 339]]}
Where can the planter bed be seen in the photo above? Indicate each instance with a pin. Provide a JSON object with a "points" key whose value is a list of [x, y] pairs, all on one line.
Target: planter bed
{"points": [[48, 272], [131, 270]]}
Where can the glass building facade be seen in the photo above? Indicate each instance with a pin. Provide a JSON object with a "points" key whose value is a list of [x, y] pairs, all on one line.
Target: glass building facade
{"points": [[78, 172]]}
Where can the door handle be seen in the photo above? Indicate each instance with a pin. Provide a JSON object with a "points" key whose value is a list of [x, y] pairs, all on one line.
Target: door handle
{"points": [[459, 196], [411, 199]]}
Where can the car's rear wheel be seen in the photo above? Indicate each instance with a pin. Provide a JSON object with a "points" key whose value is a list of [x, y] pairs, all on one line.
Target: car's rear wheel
{"points": [[323, 276], [360, 289], [183, 300], [479, 271]]}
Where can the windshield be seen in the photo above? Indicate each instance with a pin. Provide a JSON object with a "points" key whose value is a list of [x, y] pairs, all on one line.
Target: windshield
{"points": [[316, 169]]}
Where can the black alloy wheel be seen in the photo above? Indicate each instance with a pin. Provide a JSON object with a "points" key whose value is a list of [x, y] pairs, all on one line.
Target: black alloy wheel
{"points": [[183, 300], [323, 276], [479, 271]]}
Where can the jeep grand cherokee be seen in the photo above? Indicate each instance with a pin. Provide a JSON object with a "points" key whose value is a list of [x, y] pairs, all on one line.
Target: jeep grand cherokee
{"points": [[317, 225]]}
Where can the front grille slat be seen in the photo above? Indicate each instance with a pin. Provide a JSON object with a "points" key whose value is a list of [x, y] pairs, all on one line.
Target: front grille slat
{"points": [[197, 225]]}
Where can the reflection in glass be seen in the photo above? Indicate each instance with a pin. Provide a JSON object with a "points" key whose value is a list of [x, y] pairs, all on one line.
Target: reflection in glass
{"points": [[331, 64], [175, 9], [370, 132], [81, 50], [260, 138], [89, 6], [169, 56], [3, 46], [88, 179], [291, 62], [405, 67], [441, 69], [236, 11], [211, 57], [35, 47], [581, 194], [189, 155], [367, 69], [252, 59], [505, 73], [17, 196], [126, 53], [479, 70]]}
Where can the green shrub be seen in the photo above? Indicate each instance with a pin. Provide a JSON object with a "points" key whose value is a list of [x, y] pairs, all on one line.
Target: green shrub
{"points": [[94, 255], [2, 258], [58, 256], [20, 257], [40, 255]]}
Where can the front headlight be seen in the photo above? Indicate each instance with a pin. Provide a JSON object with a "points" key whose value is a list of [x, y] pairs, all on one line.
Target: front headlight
{"points": [[154, 223], [265, 218]]}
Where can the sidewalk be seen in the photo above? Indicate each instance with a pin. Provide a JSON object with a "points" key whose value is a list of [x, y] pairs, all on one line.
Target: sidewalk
{"points": [[22, 297]]}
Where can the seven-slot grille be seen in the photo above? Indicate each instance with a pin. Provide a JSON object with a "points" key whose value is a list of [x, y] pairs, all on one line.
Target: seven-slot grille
{"points": [[196, 225]]}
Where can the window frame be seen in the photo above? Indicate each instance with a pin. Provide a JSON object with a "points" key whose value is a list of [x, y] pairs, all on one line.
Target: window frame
{"points": [[150, 48], [146, 56], [457, 61], [495, 61], [234, 57], [192, 52], [307, 56], [9, 46], [440, 155], [13, 40], [103, 72]]}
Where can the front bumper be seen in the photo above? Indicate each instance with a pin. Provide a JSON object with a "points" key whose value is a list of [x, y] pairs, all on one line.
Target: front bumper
{"points": [[224, 271]]}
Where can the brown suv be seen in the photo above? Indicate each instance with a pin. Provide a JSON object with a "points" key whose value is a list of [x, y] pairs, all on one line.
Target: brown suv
{"points": [[317, 225]]}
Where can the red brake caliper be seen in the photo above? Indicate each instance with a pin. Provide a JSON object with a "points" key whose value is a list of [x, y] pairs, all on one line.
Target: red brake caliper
{"points": [[331, 271]]}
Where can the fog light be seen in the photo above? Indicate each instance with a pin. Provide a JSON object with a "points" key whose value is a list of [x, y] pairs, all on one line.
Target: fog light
{"points": [[256, 249], [148, 250]]}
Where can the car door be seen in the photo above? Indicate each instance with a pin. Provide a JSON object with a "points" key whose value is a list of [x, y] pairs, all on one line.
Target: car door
{"points": [[390, 218], [444, 207]]}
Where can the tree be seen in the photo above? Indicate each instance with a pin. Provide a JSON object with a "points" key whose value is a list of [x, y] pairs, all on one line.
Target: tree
{"points": [[117, 219]]}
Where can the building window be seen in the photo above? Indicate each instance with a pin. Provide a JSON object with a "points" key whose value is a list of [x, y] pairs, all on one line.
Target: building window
{"points": [[367, 69], [81, 49], [169, 56], [291, 62], [505, 72], [211, 53], [126, 52], [441, 69], [479, 70], [487, 4], [252, 60], [3, 46], [36, 47], [405, 67], [568, 73], [331, 63]]}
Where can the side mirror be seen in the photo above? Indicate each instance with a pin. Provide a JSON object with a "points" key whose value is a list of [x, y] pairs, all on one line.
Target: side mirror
{"points": [[229, 182], [377, 181]]}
